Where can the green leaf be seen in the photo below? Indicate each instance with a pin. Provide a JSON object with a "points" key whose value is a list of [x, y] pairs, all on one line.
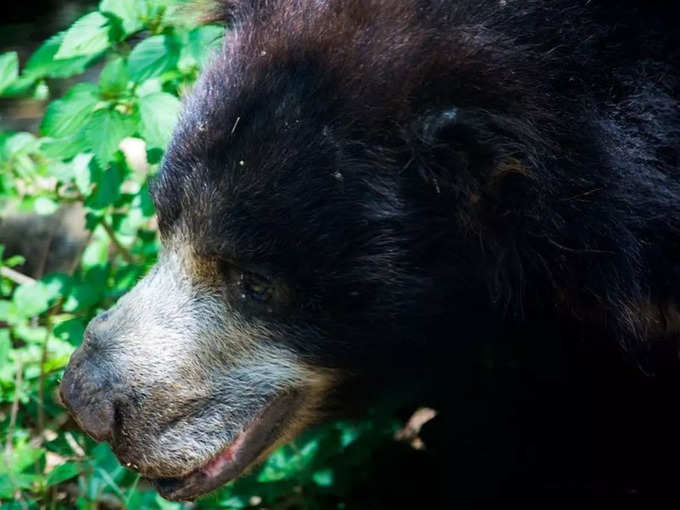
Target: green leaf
{"points": [[45, 205], [83, 170], [108, 190], [96, 253], [10, 483], [24, 457], [70, 331], [114, 77], [203, 41], [41, 91], [58, 284], [159, 114], [83, 296], [150, 86], [62, 473], [235, 502], [87, 36], [14, 260], [9, 69], [104, 132], [152, 57], [63, 172], [126, 10], [323, 478], [9, 312], [32, 298], [21, 87], [65, 147], [164, 504], [5, 344], [67, 115], [42, 63], [19, 143]]}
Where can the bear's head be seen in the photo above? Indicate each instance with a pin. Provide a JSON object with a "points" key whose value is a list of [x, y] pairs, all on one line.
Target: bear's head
{"points": [[318, 207]]}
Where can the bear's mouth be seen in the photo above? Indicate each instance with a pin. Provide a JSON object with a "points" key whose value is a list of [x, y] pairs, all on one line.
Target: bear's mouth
{"points": [[243, 451]]}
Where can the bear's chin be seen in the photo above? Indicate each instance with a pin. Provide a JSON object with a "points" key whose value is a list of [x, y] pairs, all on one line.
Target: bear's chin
{"points": [[244, 451]]}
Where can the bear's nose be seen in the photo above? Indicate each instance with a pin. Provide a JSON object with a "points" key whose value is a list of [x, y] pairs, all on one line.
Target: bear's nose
{"points": [[86, 391], [89, 405]]}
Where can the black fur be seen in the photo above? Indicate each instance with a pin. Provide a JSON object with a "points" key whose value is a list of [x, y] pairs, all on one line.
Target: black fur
{"points": [[440, 179]]}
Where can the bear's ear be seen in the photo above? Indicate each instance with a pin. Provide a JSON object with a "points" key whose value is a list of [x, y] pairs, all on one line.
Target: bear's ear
{"points": [[455, 124], [453, 139], [472, 148], [435, 125]]}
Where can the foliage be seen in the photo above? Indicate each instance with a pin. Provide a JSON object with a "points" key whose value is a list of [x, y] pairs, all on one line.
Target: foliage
{"points": [[146, 55]]}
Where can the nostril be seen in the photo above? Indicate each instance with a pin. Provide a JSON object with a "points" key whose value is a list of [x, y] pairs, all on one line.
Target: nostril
{"points": [[90, 407], [97, 420]]}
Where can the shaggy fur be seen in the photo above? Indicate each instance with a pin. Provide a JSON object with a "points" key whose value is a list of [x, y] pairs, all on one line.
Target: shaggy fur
{"points": [[483, 197]]}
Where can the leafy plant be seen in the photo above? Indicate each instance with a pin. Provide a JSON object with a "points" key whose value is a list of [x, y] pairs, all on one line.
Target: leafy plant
{"points": [[146, 54]]}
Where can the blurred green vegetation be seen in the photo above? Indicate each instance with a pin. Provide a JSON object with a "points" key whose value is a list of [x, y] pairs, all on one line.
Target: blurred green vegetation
{"points": [[132, 60]]}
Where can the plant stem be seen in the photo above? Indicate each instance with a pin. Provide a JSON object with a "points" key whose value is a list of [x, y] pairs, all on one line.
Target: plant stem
{"points": [[41, 385], [15, 276], [124, 252], [15, 408]]}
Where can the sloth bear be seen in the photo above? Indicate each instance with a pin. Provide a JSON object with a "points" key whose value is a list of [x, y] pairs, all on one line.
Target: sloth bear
{"points": [[474, 202]]}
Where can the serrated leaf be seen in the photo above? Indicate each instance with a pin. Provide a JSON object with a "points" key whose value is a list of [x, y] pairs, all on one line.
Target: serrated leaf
{"points": [[9, 69], [42, 63], [159, 114], [67, 115], [126, 10], [87, 36], [114, 77], [152, 57], [104, 132], [65, 147], [62, 473]]}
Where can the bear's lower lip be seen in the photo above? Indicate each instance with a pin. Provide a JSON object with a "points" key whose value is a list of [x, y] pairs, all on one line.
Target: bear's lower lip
{"points": [[232, 460]]}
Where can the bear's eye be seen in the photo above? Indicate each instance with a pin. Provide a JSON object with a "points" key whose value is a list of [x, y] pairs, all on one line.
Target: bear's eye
{"points": [[255, 287], [251, 286]]}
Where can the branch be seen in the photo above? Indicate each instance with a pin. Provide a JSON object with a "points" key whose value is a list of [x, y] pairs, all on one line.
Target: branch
{"points": [[15, 276], [124, 252]]}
